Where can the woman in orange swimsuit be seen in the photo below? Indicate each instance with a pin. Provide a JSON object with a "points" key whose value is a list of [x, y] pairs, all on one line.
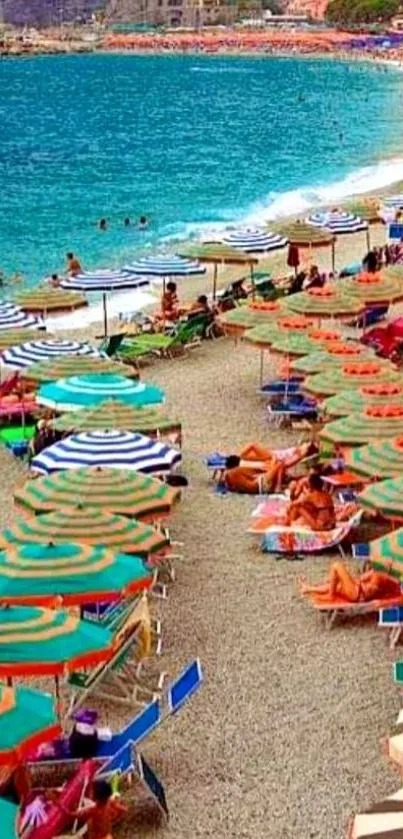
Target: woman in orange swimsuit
{"points": [[258, 469], [313, 506], [372, 585]]}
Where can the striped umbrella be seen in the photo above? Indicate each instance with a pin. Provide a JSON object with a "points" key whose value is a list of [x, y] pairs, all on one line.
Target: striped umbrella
{"points": [[89, 390], [368, 210], [305, 235], [374, 423], [255, 240], [114, 414], [62, 367], [216, 253], [378, 459], [113, 448], [326, 302], [352, 401], [44, 642], [44, 300], [115, 490], [352, 375], [27, 719], [87, 525], [166, 266], [374, 289], [237, 321], [339, 222], [104, 281], [383, 820], [386, 553], [9, 818], [393, 202], [25, 354], [68, 574], [386, 496], [13, 317], [332, 355], [12, 337], [263, 335]]}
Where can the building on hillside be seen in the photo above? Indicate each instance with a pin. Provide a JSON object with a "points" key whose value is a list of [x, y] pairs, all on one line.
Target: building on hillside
{"points": [[186, 13], [313, 9]]}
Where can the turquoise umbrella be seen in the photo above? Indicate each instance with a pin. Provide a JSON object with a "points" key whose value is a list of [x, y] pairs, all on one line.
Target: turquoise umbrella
{"points": [[91, 389]]}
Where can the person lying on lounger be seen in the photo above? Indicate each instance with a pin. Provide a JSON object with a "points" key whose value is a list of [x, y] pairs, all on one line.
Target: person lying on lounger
{"points": [[258, 469], [371, 585], [312, 506]]}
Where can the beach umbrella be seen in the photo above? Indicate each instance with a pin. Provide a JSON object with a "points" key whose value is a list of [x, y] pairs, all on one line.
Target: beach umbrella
{"points": [[255, 240], [394, 202], [117, 490], [13, 337], [216, 253], [115, 414], [237, 321], [27, 719], [339, 222], [45, 642], [375, 422], [62, 367], [373, 289], [121, 449], [91, 389], [352, 401], [45, 300], [104, 281], [9, 819], [386, 553], [366, 210], [332, 355], [357, 374], [86, 525], [378, 459], [385, 496], [326, 302], [166, 267], [68, 574], [13, 317], [303, 235], [263, 335], [23, 355]]}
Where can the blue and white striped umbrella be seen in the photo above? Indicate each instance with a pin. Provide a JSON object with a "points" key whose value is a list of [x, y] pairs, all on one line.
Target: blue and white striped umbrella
{"points": [[77, 392], [166, 266], [114, 449], [104, 280], [24, 355], [338, 222], [13, 317], [393, 202], [254, 240]]}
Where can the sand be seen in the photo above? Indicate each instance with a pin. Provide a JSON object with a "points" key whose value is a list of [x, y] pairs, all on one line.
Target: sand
{"points": [[283, 739]]}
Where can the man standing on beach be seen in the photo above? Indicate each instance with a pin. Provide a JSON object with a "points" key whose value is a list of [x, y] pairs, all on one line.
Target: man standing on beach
{"points": [[73, 265]]}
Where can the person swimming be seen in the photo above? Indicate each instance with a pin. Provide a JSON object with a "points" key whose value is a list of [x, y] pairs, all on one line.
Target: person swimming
{"points": [[142, 223], [103, 224]]}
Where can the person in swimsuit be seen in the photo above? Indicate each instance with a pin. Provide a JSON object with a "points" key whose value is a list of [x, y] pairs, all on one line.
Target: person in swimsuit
{"points": [[371, 585], [313, 507], [100, 815], [73, 265], [258, 469]]}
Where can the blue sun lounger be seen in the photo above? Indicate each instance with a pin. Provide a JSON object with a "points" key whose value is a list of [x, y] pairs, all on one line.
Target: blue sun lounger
{"points": [[127, 763], [187, 683], [392, 619], [279, 387], [360, 551]]}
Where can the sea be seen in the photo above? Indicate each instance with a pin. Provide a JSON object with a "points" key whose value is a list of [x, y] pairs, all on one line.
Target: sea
{"points": [[195, 143]]}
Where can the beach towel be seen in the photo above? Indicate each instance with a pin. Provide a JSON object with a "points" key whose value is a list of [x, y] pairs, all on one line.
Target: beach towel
{"points": [[296, 539], [273, 512]]}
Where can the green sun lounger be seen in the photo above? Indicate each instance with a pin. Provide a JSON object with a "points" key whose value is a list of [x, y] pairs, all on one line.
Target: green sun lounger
{"points": [[186, 336]]}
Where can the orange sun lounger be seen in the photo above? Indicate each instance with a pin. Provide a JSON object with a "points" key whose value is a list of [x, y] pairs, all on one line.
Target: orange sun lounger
{"points": [[339, 606]]}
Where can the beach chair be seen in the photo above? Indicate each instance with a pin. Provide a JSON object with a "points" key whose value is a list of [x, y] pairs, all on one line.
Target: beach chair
{"points": [[71, 798], [392, 620], [295, 540], [110, 346], [187, 683], [383, 819], [280, 387], [131, 764], [339, 607], [186, 336], [295, 407]]}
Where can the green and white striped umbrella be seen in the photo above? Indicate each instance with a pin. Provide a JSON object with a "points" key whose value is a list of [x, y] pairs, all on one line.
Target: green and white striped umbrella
{"points": [[385, 496], [236, 321], [331, 357], [374, 289], [115, 414], [352, 375], [378, 459], [62, 367], [293, 334], [326, 302], [353, 401], [386, 553], [374, 423], [16, 337]]}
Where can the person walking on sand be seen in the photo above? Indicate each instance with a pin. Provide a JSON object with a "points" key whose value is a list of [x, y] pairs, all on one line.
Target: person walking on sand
{"points": [[73, 265]]}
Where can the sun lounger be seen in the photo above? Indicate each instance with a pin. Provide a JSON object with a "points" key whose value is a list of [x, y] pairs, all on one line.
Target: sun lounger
{"points": [[187, 683], [273, 511], [294, 407], [279, 387], [338, 606], [71, 797], [133, 764], [392, 619], [279, 539], [383, 820], [187, 335], [394, 742]]}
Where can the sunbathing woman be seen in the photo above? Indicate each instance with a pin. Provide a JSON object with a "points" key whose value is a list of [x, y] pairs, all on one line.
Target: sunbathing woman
{"points": [[313, 507], [258, 469], [372, 585]]}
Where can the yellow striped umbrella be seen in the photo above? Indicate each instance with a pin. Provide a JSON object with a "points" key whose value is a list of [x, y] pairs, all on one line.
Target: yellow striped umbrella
{"points": [[62, 367], [115, 414], [15, 337], [42, 300]]}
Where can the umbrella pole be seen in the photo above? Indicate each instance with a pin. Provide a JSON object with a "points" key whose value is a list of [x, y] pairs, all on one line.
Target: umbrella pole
{"points": [[368, 239], [333, 256], [215, 281], [252, 278], [105, 315], [261, 368]]}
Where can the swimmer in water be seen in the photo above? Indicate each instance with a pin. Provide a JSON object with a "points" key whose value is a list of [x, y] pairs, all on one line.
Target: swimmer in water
{"points": [[127, 222], [103, 224], [143, 223]]}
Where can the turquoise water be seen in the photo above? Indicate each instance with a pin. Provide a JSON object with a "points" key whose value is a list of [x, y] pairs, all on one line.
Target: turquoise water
{"points": [[189, 141]]}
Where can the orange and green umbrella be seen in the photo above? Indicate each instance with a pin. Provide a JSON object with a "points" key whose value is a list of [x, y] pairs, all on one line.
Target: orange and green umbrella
{"points": [[66, 366], [374, 423], [263, 335], [386, 497], [42, 300], [326, 302], [15, 337], [378, 459], [116, 490], [374, 289], [68, 574], [27, 719], [351, 375], [45, 642], [237, 321], [331, 356], [115, 414], [386, 553], [352, 401], [87, 525]]}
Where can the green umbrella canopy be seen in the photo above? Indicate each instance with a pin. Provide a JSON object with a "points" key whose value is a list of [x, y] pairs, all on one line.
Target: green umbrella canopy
{"points": [[114, 490], [366, 210], [352, 401], [217, 253], [331, 357], [35, 641], [352, 375], [326, 302], [305, 235], [236, 321], [373, 288], [378, 459], [42, 575], [9, 819], [87, 525], [374, 423], [27, 719], [384, 496], [64, 366], [15, 337], [48, 299], [115, 414], [386, 553], [88, 390], [264, 335]]}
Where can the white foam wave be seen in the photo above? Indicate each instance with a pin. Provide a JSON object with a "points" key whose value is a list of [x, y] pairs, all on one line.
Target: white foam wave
{"points": [[121, 302]]}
